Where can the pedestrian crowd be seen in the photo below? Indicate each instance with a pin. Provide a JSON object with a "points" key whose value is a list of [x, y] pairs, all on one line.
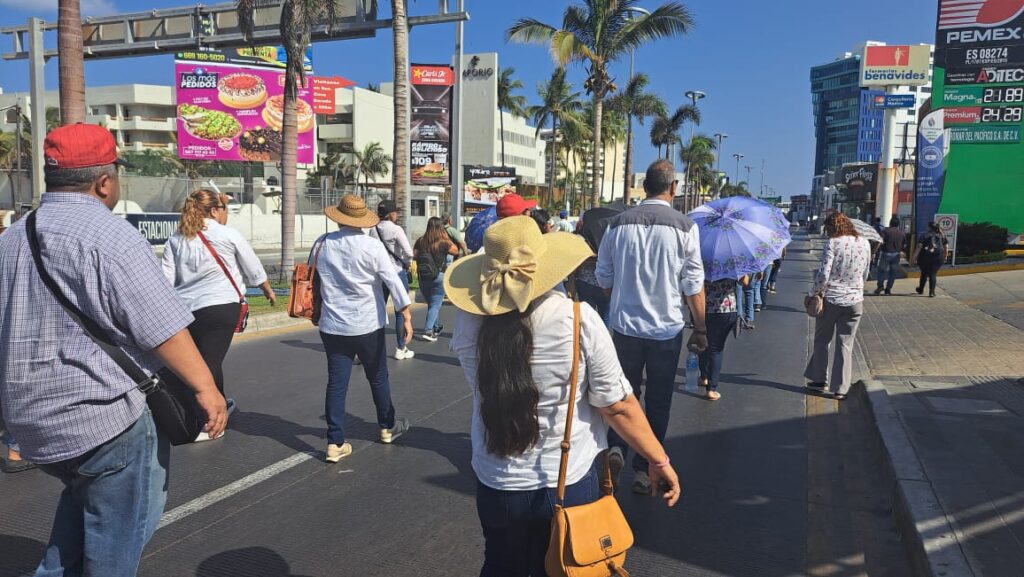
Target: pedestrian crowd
{"points": [[569, 336]]}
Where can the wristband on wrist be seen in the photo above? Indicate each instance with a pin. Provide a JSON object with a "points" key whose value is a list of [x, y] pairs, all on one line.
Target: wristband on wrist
{"points": [[701, 332], [663, 464]]}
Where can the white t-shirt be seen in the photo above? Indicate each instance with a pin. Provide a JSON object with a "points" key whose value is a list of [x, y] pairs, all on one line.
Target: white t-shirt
{"points": [[197, 277], [601, 384]]}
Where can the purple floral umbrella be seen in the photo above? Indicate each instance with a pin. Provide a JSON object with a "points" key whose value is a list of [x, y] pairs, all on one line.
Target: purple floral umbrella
{"points": [[739, 236]]}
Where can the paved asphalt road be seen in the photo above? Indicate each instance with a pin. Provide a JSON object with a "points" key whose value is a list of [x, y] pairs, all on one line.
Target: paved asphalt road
{"points": [[776, 483]]}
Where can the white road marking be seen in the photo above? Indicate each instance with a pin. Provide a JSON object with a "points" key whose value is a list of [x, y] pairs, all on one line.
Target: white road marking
{"points": [[200, 503]]}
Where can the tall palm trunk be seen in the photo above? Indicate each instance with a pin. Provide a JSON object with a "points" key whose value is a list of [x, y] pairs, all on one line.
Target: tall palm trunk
{"points": [[615, 160], [627, 189], [554, 158], [595, 193], [289, 180], [501, 121], [71, 70], [400, 155]]}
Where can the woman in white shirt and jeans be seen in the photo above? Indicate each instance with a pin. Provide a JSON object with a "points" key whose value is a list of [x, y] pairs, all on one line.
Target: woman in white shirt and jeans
{"points": [[514, 339], [215, 299]]}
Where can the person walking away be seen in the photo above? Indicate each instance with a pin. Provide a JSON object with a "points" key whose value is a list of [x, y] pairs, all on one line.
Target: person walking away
{"points": [[650, 259], [776, 269], [396, 243], [845, 259], [514, 205], [720, 318], [431, 252], [455, 236], [350, 310], [745, 301], [209, 265], [563, 222], [592, 230], [514, 337], [930, 256], [889, 256], [762, 287], [543, 220], [74, 412]]}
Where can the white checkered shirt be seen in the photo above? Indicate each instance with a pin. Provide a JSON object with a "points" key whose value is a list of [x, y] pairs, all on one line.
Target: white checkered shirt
{"points": [[61, 394]]}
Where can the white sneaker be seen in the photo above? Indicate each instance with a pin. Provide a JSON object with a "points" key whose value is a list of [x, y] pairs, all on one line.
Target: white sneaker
{"points": [[388, 436], [428, 336], [336, 453], [403, 354]]}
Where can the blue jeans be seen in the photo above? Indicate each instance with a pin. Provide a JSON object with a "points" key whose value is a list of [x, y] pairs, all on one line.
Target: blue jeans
{"points": [[660, 359], [719, 326], [745, 301], [596, 298], [111, 504], [888, 264], [776, 267], [8, 440], [341, 350], [399, 321], [517, 525], [433, 293], [763, 288]]}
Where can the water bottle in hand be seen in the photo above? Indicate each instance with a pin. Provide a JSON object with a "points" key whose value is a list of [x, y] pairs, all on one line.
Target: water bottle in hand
{"points": [[692, 372]]}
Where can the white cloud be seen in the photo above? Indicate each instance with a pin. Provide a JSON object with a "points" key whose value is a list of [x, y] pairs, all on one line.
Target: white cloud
{"points": [[48, 8]]}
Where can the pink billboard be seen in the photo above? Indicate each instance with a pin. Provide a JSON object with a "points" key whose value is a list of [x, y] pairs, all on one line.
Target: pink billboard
{"points": [[235, 113]]}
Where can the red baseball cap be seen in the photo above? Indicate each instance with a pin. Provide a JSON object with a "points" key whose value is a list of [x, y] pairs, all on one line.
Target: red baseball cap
{"points": [[80, 146], [513, 205]]}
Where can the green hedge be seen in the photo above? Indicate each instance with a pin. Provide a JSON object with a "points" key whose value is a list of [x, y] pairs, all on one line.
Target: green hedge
{"points": [[981, 258], [977, 238]]}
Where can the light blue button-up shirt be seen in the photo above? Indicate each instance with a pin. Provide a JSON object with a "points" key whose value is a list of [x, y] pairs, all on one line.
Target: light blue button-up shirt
{"points": [[650, 258]]}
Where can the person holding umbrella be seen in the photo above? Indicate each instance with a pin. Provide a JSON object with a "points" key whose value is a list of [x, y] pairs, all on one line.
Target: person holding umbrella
{"points": [[739, 238]]}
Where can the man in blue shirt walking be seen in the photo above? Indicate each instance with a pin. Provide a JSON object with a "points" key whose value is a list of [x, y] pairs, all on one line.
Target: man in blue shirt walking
{"points": [[650, 259]]}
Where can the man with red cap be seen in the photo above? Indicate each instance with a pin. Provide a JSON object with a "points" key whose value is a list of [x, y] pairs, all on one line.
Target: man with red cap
{"points": [[73, 410]]}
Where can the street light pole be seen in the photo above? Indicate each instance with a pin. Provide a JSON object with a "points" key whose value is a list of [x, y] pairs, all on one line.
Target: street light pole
{"points": [[738, 157], [690, 198], [721, 136]]}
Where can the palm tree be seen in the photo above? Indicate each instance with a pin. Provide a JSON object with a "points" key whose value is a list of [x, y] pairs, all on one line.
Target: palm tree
{"points": [[665, 129], [514, 104], [738, 189], [70, 68], [559, 106], [298, 17], [400, 152], [634, 102], [698, 158], [598, 33], [371, 162]]}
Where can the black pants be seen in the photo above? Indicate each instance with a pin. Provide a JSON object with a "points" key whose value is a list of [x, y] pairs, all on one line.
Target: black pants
{"points": [[212, 330], [929, 270]]}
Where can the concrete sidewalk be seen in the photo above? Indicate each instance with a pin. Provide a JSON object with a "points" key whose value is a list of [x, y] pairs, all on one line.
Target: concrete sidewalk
{"points": [[942, 387]]}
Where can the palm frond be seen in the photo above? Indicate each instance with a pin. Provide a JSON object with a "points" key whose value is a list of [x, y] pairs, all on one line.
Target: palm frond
{"points": [[666, 21], [530, 31]]}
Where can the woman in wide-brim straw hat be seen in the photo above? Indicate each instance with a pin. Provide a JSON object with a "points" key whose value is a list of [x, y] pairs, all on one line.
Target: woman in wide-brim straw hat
{"points": [[351, 270], [514, 338]]}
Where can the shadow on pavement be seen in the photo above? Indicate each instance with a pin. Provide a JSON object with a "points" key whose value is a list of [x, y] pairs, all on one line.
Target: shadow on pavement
{"points": [[456, 448], [286, 432], [300, 344], [248, 562]]}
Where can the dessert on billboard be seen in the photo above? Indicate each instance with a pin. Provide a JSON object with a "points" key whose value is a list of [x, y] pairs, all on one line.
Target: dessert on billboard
{"points": [[233, 113], [430, 121]]}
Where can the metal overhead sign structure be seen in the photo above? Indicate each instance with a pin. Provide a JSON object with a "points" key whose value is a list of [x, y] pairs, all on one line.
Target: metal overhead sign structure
{"points": [[181, 29]]}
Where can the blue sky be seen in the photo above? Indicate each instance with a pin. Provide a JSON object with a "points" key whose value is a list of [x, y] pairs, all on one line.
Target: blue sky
{"points": [[752, 57]]}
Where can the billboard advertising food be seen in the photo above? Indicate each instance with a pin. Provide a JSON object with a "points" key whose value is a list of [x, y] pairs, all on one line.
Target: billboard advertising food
{"points": [[485, 185], [979, 82], [895, 66], [261, 56], [429, 130], [235, 113]]}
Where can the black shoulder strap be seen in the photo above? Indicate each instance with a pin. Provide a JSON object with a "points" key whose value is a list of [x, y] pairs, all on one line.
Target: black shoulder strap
{"points": [[380, 237], [95, 332]]}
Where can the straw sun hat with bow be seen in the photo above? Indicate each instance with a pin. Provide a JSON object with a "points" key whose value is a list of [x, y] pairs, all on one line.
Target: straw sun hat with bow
{"points": [[352, 211], [518, 265]]}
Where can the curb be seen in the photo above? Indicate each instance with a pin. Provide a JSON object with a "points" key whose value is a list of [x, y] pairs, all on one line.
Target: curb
{"points": [[925, 530], [280, 320], [969, 269]]}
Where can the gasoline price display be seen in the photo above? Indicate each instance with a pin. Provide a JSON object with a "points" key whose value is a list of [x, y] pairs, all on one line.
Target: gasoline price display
{"points": [[1007, 114], [1004, 94]]}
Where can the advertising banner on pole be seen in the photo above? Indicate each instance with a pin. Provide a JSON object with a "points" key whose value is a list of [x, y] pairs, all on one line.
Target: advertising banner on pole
{"points": [[324, 95], [894, 101], [895, 66], [258, 56], [485, 185], [931, 168], [235, 113], [430, 123]]}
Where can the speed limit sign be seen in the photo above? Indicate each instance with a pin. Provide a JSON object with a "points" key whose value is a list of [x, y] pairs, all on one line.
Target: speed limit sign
{"points": [[948, 224]]}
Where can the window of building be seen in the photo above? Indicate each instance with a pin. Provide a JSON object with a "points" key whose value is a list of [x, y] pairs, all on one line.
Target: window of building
{"points": [[418, 207]]}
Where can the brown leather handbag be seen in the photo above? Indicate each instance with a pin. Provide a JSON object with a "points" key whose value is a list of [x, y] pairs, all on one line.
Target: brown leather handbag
{"points": [[301, 296], [587, 540]]}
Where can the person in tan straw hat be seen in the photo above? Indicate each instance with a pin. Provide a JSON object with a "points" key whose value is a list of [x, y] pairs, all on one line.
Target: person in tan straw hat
{"points": [[514, 338], [352, 270]]}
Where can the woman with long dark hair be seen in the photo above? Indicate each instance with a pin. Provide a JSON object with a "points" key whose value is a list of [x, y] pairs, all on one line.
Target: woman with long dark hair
{"points": [[930, 256], [431, 253], [514, 339], [845, 259], [210, 265]]}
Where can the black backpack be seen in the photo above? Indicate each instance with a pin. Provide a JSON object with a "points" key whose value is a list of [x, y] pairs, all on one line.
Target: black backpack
{"points": [[428, 266], [935, 247]]}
